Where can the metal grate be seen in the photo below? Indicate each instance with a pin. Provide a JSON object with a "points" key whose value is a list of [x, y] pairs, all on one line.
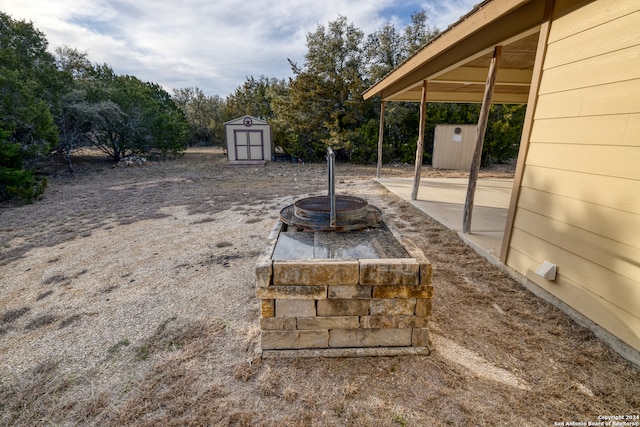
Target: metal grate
{"points": [[323, 204]]}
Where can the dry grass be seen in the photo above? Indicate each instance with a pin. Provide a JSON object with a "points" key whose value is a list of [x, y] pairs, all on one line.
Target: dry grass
{"points": [[126, 298]]}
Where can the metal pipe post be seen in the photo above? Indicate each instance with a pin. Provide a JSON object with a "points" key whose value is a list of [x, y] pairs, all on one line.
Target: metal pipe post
{"points": [[331, 161]]}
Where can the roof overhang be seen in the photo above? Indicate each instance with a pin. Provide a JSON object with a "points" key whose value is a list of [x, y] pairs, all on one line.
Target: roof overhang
{"points": [[456, 63]]}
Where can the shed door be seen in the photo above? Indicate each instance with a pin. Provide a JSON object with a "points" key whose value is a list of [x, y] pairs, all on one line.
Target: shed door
{"points": [[248, 144]]}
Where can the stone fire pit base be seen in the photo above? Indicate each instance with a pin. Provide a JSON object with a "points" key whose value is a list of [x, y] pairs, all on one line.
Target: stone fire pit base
{"points": [[365, 293]]}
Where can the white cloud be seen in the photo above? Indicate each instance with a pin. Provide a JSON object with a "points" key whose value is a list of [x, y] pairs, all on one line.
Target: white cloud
{"points": [[212, 45], [444, 13]]}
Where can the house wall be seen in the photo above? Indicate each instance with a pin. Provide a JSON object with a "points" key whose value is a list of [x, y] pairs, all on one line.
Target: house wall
{"points": [[451, 150], [579, 200]]}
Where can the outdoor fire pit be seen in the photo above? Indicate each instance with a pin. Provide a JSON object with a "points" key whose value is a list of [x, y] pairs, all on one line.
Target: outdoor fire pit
{"points": [[314, 214], [331, 212], [335, 280]]}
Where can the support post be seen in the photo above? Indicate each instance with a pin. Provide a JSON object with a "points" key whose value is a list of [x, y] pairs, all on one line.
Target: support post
{"points": [[380, 137], [420, 144], [331, 172], [482, 127]]}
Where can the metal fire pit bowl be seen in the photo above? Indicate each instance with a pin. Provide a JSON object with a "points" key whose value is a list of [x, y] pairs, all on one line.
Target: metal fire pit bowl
{"points": [[314, 214]]}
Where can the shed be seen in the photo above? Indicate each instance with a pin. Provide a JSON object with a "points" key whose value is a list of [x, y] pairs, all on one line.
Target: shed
{"points": [[249, 141], [573, 224], [453, 146]]}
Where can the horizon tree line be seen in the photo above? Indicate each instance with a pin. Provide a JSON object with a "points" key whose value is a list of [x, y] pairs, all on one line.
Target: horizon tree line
{"points": [[53, 104]]}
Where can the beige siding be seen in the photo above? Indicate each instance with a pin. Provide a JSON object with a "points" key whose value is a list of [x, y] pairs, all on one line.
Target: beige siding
{"points": [[621, 323], [612, 161], [616, 98], [597, 219], [579, 204]]}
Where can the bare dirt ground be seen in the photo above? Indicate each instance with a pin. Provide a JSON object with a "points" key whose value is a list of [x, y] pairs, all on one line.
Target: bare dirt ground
{"points": [[127, 298]]}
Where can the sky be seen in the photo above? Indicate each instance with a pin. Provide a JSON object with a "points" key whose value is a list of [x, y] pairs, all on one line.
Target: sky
{"points": [[210, 44]]}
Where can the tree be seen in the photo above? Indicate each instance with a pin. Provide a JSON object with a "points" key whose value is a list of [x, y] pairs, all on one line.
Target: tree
{"points": [[204, 115], [324, 105], [385, 50], [29, 88], [121, 115], [502, 139], [74, 63], [254, 98], [16, 182], [417, 33], [29, 84], [165, 127], [72, 121]]}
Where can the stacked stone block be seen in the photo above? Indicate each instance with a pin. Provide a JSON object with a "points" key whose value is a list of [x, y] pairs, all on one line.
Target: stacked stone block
{"points": [[344, 303]]}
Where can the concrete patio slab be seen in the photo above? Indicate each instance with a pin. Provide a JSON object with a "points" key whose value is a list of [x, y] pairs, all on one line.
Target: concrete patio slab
{"points": [[443, 200]]}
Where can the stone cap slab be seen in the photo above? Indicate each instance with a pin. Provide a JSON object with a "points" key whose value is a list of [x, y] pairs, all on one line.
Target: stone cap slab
{"points": [[316, 272]]}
